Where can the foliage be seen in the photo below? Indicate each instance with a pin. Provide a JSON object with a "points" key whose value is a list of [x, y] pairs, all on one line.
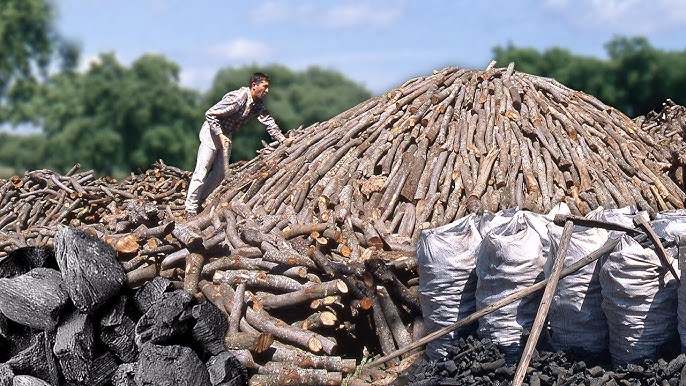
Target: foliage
{"points": [[636, 78], [116, 119], [29, 44]]}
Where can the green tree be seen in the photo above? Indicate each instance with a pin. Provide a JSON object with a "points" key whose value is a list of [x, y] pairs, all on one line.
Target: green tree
{"points": [[29, 45], [636, 78], [294, 99], [116, 119]]}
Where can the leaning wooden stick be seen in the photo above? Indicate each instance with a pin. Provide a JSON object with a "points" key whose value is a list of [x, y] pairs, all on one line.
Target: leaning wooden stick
{"points": [[561, 219], [544, 306], [659, 248], [606, 248]]}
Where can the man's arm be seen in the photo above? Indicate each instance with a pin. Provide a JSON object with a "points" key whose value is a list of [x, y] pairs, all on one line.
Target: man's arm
{"points": [[229, 104], [272, 128]]}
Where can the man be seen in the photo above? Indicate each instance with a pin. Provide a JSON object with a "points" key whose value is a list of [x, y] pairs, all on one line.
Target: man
{"points": [[221, 121]]}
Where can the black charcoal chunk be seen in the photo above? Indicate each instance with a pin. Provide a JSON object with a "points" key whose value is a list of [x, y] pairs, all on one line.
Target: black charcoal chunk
{"points": [[124, 374], [27, 380], [210, 327], [74, 347], [170, 366], [37, 359], [166, 319], [92, 274], [22, 260], [226, 370], [6, 374], [102, 368], [151, 292], [16, 338], [120, 339], [33, 299], [112, 313]]}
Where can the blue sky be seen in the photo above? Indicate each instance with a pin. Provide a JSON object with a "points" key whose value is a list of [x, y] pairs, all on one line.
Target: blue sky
{"points": [[377, 43]]}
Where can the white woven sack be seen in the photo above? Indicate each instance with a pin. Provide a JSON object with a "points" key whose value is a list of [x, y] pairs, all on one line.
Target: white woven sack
{"points": [[511, 258], [447, 278], [669, 225], [577, 322], [639, 301]]}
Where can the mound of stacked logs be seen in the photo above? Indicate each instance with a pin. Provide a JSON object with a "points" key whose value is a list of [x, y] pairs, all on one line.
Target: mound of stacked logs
{"points": [[309, 250], [668, 128]]}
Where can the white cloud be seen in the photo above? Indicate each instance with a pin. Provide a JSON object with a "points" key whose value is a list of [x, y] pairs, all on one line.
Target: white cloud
{"points": [[349, 15], [360, 15], [242, 49], [626, 17]]}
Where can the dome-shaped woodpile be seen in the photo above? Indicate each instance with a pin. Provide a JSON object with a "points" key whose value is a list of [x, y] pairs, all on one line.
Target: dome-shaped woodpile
{"points": [[458, 141]]}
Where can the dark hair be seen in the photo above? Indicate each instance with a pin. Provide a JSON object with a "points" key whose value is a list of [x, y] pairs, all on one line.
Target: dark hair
{"points": [[258, 77]]}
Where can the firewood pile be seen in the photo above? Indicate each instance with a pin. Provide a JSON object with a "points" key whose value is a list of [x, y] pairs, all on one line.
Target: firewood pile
{"points": [[309, 250], [668, 128]]}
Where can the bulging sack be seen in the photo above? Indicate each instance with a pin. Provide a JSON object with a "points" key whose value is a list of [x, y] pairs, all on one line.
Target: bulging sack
{"points": [[510, 258], [447, 278], [577, 322], [639, 301]]}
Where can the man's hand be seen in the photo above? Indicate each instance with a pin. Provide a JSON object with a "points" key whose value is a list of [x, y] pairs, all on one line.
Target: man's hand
{"points": [[267, 148], [224, 141]]}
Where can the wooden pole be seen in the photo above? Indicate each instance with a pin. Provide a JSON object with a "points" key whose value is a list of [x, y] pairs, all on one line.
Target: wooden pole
{"points": [[606, 248], [544, 306], [659, 248]]}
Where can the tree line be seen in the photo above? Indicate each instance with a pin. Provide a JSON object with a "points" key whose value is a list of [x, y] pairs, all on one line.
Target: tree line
{"points": [[116, 119]]}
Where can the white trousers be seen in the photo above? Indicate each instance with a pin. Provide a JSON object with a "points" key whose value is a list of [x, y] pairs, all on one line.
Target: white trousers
{"points": [[209, 169]]}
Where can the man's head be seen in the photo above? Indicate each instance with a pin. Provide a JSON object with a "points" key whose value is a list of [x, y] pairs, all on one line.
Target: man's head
{"points": [[259, 85]]}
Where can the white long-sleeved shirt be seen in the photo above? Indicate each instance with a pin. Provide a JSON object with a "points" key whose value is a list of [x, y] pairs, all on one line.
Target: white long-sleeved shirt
{"points": [[235, 109]]}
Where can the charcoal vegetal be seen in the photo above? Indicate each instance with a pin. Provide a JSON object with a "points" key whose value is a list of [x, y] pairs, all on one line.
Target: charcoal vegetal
{"points": [[124, 374], [92, 274], [167, 318], [22, 260], [102, 368], [120, 339], [27, 380], [33, 299], [112, 313], [675, 365], [170, 366], [6, 374], [14, 339], [74, 346], [225, 370], [117, 330], [37, 359], [210, 327], [4, 327], [151, 292]]}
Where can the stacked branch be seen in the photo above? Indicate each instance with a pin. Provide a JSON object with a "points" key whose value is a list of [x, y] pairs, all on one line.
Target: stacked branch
{"points": [[668, 129]]}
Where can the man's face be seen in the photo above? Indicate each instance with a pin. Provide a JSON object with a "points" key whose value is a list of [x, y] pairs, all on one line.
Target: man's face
{"points": [[260, 89]]}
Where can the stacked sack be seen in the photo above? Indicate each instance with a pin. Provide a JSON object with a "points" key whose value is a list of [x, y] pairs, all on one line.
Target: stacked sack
{"points": [[623, 304]]}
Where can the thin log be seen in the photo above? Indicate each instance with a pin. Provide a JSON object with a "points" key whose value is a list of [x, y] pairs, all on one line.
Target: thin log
{"points": [[544, 306]]}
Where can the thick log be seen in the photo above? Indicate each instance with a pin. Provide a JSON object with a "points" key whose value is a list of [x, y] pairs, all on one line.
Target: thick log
{"points": [[309, 292]]}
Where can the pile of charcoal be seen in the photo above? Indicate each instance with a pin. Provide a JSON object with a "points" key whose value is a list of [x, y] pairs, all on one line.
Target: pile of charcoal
{"points": [[66, 318], [473, 361]]}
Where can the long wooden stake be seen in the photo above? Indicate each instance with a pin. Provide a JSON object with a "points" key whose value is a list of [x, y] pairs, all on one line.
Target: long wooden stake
{"points": [[606, 248], [659, 248], [544, 306]]}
